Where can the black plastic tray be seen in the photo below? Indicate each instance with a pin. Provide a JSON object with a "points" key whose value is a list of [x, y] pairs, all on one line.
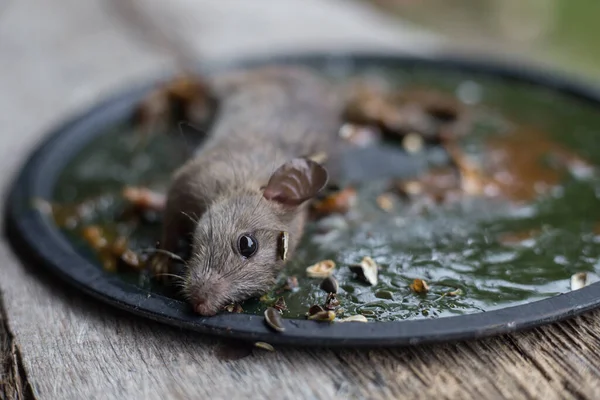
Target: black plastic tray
{"points": [[33, 234]]}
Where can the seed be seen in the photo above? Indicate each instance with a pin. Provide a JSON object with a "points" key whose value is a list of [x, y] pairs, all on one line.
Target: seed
{"points": [[131, 258], [578, 280], [283, 245], [264, 346], [273, 319], [384, 294], [412, 188], [280, 304], [314, 310], [322, 269], [413, 143], [234, 308], [419, 286], [366, 270], [93, 235], [322, 316], [332, 302], [385, 202], [354, 318], [454, 293], [329, 285]]}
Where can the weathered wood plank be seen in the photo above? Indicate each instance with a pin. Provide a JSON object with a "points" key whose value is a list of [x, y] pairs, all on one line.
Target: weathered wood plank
{"points": [[74, 347]]}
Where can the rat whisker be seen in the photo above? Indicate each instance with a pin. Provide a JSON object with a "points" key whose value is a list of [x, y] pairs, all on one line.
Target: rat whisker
{"points": [[194, 221], [172, 256]]}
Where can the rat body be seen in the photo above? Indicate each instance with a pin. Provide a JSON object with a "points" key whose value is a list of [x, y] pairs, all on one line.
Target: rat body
{"points": [[249, 184]]}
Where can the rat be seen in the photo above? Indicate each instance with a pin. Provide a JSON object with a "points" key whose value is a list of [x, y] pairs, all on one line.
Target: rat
{"points": [[241, 201]]}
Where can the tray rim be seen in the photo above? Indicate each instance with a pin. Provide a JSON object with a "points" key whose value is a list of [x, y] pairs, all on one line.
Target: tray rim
{"points": [[29, 231]]}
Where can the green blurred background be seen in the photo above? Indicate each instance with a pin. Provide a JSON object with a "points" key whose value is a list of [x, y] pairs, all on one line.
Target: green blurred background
{"points": [[561, 33]]}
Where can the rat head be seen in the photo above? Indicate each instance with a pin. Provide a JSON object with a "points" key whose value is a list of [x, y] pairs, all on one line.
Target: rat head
{"points": [[238, 245]]}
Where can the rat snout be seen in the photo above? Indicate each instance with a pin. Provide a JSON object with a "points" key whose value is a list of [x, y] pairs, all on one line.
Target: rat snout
{"points": [[209, 299], [203, 307]]}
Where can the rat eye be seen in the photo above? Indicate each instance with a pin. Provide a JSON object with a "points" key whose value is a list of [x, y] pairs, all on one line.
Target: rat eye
{"points": [[247, 245]]}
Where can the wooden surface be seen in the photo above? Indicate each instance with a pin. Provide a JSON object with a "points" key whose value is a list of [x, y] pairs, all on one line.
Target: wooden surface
{"points": [[58, 57]]}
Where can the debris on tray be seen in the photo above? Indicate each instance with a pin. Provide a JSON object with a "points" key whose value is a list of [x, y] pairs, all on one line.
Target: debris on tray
{"points": [[234, 308], [291, 284], [131, 259], [503, 169], [144, 199], [332, 302], [437, 186], [432, 114], [518, 238], [283, 245], [280, 304], [454, 293], [385, 202], [419, 286], [339, 202], [367, 270], [322, 316], [384, 294], [579, 280], [354, 318], [329, 285], [413, 143], [359, 135], [314, 310], [94, 235], [274, 320], [322, 269], [267, 299], [264, 346]]}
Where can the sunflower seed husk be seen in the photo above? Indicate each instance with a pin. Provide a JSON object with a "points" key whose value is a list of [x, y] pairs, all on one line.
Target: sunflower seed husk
{"points": [[332, 302], [322, 269], [454, 293], [280, 304], [354, 318], [314, 309], [283, 245], [329, 285], [413, 143], [579, 280], [273, 319], [367, 270], [234, 308], [419, 286], [323, 316], [264, 346], [384, 294]]}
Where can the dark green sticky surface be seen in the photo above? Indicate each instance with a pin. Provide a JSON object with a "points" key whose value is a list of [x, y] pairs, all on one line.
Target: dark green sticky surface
{"points": [[453, 247]]}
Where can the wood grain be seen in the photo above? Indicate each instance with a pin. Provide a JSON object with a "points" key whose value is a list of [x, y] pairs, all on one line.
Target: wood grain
{"points": [[75, 348], [13, 381]]}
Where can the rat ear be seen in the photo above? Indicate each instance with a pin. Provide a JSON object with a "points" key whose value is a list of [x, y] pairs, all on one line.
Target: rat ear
{"points": [[295, 182]]}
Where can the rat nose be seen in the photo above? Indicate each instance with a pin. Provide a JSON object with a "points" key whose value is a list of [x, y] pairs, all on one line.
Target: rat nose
{"points": [[202, 307]]}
